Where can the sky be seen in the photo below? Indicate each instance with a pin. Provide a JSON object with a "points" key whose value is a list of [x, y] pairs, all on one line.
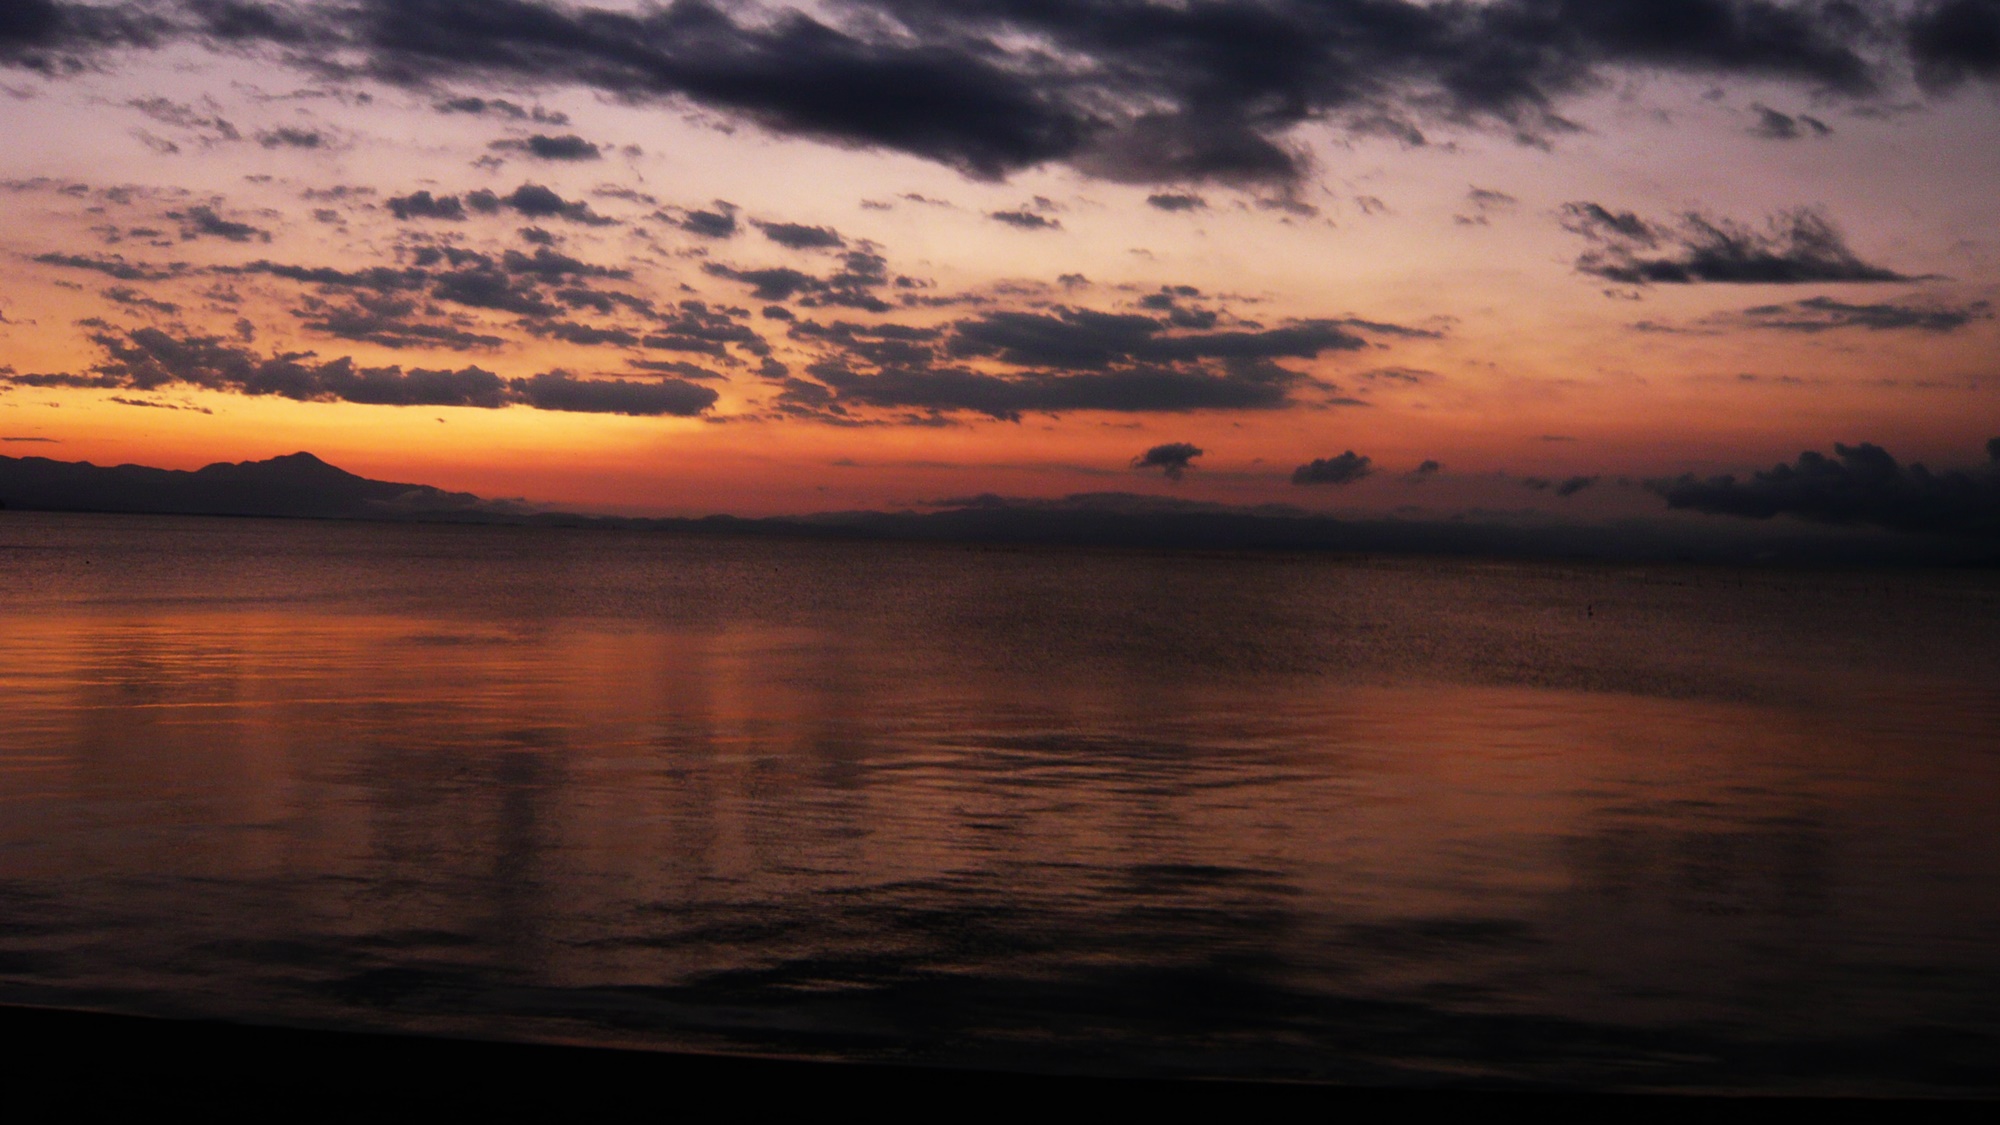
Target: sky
{"points": [[1542, 259]]}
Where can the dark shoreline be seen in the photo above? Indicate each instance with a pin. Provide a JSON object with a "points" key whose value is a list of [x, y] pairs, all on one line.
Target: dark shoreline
{"points": [[82, 1062], [301, 486]]}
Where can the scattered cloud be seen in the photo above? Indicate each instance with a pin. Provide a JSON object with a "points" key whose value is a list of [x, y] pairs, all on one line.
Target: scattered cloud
{"points": [[1794, 247], [1025, 220], [149, 359], [540, 146], [1775, 126], [1344, 469], [1174, 459], [798, 236], [1859, 485], [1823, 314]]}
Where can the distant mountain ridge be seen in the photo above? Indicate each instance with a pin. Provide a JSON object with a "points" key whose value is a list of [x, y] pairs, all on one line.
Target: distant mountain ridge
{"points": [[296, 485], [300, 485]]}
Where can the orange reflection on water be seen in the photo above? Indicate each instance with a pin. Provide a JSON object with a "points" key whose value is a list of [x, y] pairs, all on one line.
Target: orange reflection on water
{"points": [[1000, 787]]}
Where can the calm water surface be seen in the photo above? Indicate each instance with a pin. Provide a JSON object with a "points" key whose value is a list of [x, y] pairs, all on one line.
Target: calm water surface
{"points": [[1375, 820]]}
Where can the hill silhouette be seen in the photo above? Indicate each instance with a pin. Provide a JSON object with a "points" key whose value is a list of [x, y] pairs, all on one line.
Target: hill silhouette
{"points": [[301, 486], [297, 485]]}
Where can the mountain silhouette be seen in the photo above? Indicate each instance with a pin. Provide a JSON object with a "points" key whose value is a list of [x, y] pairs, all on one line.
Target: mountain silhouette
{"points": [[300, 485], [297, 485]]}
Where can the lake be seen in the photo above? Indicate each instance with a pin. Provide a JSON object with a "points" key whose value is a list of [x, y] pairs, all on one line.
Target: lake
{"points": [[1377, 820]]}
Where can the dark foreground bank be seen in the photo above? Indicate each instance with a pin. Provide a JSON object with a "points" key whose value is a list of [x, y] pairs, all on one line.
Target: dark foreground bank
{"points": [[79, 1065]]}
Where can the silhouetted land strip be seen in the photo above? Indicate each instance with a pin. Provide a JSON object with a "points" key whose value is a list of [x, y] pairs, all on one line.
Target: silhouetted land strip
{"points": [[88, 1063], [301, 486]]}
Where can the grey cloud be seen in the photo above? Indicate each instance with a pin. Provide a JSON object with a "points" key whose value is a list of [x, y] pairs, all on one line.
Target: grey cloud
{"points": [[852, 286], [1952, 40], [1066, 360], [422, 205], [559, 390], [203, 221], [1822, 314], [1174, 458], [566, 147], [1775, 126], [709, 224], [1859, 485], [1205, 90], [536, 201], [1177, 201], [392, 322], [1795, 247], [1025, 220], [1344, 469], [500, 107], [289, 137], [132, 297], [113, 265], [1083, 338], [149, 359], [798, 236], [1148, 389], [1573, 485]]}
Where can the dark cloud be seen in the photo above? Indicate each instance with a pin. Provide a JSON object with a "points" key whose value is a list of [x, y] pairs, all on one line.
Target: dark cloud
{"points": [[1084, 339], [1423, 472], [537, 202], [1344, 469], [798, 236], [1573, 485], [391, 321], [695, 326], [422, 205], [1795, 247], [1775, 126], [944, 390], [1025, 220], [566, 147], [487, 286], [149, 359], [1859, 485], [679, 367], [1065, 360], [207, 129], [559, 390], [776, 284], [1163, 93], [133, 298], [156, 405], [553, 265], [1174, 458], [382, 279], [500, 107], [113, 265], [288, 137], [853, 286], [710, 224], [1169, 300], [1952, 40], [1821, 314], [1177, 201], [203, 222]]}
